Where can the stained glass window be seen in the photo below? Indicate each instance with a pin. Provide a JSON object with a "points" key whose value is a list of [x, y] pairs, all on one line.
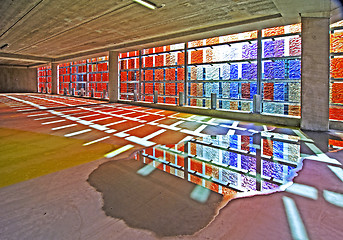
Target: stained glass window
{"points": [[281, 70], [91, 75], [336, 72], [44, 79]]}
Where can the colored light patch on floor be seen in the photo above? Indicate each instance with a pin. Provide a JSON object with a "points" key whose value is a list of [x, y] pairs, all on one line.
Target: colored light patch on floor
{"points": [[26, 155]]}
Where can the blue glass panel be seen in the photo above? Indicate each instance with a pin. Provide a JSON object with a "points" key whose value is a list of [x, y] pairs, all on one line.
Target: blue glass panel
{"points": [[268, 70], [279, 69], [248, 163], [234, 71], [272, 169], [249, 71], [279, 92], [233, 159], [274, 48], [234, 90], [249, 51], [234, 141], [268, 49], [278, 149], [253, 90], [226, 157], [226, 71], [294, 69], [279, 48]]}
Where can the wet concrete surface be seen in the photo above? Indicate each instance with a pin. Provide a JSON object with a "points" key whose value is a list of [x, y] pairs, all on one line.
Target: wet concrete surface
{"points": [[159, 202], [64, 205]]}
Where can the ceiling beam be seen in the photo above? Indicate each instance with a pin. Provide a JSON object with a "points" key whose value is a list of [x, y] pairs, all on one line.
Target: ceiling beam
{"points": [[167, 37], [26, 58]]}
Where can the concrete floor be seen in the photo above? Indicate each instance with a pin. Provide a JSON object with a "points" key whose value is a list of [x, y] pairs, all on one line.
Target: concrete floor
{"points": [[47, 193]]}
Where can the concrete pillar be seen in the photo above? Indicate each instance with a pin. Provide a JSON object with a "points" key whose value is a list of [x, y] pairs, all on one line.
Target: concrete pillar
{"points": [[54, 78], [113, 83], [315, 70]]}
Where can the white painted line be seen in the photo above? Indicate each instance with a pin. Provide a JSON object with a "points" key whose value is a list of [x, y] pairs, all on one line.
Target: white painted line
{"points": [[118, 151], [25, 110], [72, 118], [84, 122], [111, 131], [338, 171], [44, 118], [130, 129], [65, 126], [333, 198], [77, 133], [46, 123], [186, 139], [177, 123], [68, 111], [140, 141], [142, 115], [199, 129], [114, 123], [152, 123], [154, 134], [99, 127], [95, 141], [121, 134], [295, 222], [303, 190], [97, 114], [100, 119], [169, 127], [193, 133], [40, 114]]}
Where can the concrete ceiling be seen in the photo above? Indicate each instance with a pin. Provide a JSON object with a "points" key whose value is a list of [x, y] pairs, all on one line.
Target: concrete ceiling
{"points": [[39, 31]]}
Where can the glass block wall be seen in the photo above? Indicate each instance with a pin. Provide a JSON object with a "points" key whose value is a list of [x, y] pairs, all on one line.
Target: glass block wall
{"points": [[97, 77], [336, 71], [225, 65], [163, 71], [281, 70], [91, 75], [44, 79], [216, 162], [129, 68]]}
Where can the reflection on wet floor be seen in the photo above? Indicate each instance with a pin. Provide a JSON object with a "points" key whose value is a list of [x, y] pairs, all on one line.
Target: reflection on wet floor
{"points": [[259, 163]]}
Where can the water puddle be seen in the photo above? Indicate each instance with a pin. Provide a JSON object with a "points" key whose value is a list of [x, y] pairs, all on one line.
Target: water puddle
{"points": [[179, 189]]}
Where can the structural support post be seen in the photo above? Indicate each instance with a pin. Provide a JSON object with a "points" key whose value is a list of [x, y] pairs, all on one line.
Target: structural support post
{"points": [[54, 78], [315, 72], [113, 83]]}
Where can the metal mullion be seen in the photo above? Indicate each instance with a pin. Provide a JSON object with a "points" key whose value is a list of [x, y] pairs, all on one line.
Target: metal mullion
{"points": [[185, 87], [259, 62], [140, 75]]}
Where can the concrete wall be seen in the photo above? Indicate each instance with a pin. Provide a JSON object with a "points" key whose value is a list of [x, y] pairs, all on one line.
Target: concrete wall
{"points": [[14, 79]]}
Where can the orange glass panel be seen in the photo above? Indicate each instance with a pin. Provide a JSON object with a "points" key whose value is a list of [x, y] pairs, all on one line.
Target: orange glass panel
{"points": [[196, 43], [336, 113], [337, 93], [337, 67], [336, 42], [197, 56], [211, 41], [268, 32]]}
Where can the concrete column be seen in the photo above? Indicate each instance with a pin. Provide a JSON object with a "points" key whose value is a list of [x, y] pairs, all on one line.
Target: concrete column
{"points": [[113, 83], [54, 78], [315, 70]]}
